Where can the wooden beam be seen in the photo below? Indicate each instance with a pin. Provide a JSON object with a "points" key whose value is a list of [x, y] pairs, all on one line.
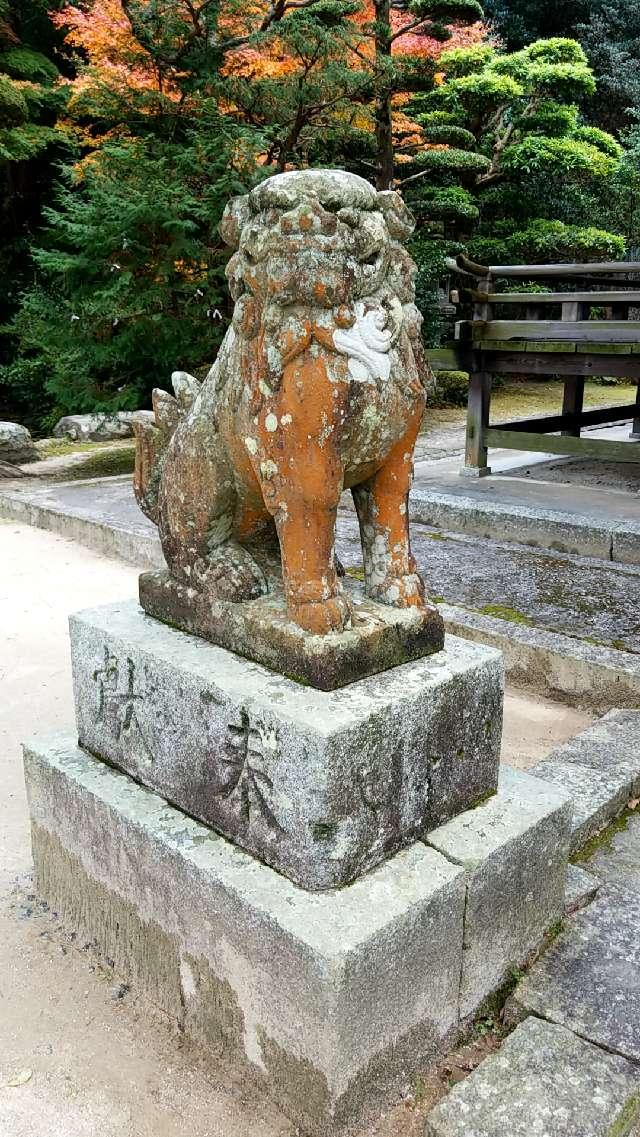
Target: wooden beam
{"points": [[450, 358], [598, 268], [513, 361], [552, 423], [594, 298], [576, 447], [577, 331]]}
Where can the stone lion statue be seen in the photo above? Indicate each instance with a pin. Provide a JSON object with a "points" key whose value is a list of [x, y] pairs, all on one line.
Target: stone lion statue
{"points": [[319, 386]]}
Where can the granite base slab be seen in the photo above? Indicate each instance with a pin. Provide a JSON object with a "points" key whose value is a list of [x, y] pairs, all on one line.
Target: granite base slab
{"points": [[320, 785], [330, 998], [543, 1082], [588, 979], [380, 636], [514, 848], [600, 768]]}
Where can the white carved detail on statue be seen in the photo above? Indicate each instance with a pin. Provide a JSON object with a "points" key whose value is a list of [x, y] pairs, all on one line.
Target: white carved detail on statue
{"points": [[368, 341], [249, 745]]}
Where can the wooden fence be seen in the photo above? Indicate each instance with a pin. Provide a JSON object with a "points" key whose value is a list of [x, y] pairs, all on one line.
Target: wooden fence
{"points": [[572, 334]]}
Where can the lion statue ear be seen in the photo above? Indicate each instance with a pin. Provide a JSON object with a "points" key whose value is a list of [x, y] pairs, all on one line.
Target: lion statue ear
{"points": [[400, 221], [236, 215]]}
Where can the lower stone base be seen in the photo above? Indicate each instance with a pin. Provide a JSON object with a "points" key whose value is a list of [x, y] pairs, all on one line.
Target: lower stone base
{"points": [[330, 998]]}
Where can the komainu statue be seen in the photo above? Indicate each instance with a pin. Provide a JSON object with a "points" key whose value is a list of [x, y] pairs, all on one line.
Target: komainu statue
{"points": [[319, 386]]}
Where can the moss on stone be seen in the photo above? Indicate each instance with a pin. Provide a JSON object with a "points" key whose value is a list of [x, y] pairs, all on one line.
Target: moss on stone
{"points": [[603, 839], [106, 464], [503, 612], [324, 830], [626, 1118]]}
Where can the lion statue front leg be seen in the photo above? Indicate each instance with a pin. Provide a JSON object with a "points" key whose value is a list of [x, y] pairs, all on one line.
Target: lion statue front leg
{"points": [[382, 505], [301, 476]]}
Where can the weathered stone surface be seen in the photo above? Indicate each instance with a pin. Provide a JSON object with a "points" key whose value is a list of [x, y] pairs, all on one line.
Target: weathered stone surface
{"points": [[99, 427], [543, 1082], [560, 666], [379, 637], [16, 444], [321, 785], [617, 858], [319, 386], [587, 980], [601, 770], [532, 587], [514, 848], [580, 889], [329, 998]]}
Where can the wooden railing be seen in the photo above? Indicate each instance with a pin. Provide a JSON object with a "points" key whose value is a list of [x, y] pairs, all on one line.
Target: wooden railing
{"points": [[572, 334]]}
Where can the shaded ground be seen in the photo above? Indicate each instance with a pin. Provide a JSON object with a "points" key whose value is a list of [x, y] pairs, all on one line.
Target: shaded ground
{"points": [[98, 1062]]}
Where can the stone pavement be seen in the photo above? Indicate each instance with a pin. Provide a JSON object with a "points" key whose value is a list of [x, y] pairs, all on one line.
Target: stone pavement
{"points": [[571, 1068], [561, 620], [581, 597], [588, 507]]}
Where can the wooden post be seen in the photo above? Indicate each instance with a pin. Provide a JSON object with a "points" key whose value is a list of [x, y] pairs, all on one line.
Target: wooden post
{"points": [[573, 394], [635, 429], [478, 405], [572, 401], [475, 459]]}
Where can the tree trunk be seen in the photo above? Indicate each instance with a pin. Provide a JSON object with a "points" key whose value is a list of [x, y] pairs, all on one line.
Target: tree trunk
{"points": [[384, 137]]}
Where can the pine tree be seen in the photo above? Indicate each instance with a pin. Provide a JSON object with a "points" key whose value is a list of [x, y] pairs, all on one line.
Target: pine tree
{"points": [[611, 39], [519, 22], [510, 168]]}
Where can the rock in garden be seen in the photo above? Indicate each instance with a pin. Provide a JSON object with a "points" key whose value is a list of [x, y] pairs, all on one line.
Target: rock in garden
{"points": [[97, 427], [16, 444]]}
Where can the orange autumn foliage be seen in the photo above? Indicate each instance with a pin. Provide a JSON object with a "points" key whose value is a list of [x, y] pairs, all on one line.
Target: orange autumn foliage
{"points": [[101, 31]]}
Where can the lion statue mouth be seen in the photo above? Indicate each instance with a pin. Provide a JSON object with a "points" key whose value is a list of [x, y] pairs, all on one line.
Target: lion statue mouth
{"points": [[319, 386]]}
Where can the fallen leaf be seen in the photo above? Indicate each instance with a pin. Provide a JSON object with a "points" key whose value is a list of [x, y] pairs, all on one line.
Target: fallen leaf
{"points": [[21, 1078]]}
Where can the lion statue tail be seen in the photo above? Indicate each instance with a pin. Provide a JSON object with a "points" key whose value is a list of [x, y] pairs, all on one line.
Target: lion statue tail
{"points": [[153, 436]]}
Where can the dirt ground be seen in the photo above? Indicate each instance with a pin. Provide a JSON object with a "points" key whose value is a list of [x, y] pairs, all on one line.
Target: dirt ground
{"points": [[80, 1054]]}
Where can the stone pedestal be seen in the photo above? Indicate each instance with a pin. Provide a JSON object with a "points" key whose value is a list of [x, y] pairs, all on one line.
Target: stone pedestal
{"points": [[409, 880], [320, 785], [380, 637], [329, 997], [333, 999]]}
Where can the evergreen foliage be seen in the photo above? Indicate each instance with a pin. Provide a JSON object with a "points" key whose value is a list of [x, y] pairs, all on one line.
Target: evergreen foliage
{"points": [[177, 105], [520, 22], [610, 36], [529, 184], [30, 143]]}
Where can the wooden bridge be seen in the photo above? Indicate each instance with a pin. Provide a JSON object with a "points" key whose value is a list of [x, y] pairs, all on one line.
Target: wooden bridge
{"points": [[573, 334]]}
